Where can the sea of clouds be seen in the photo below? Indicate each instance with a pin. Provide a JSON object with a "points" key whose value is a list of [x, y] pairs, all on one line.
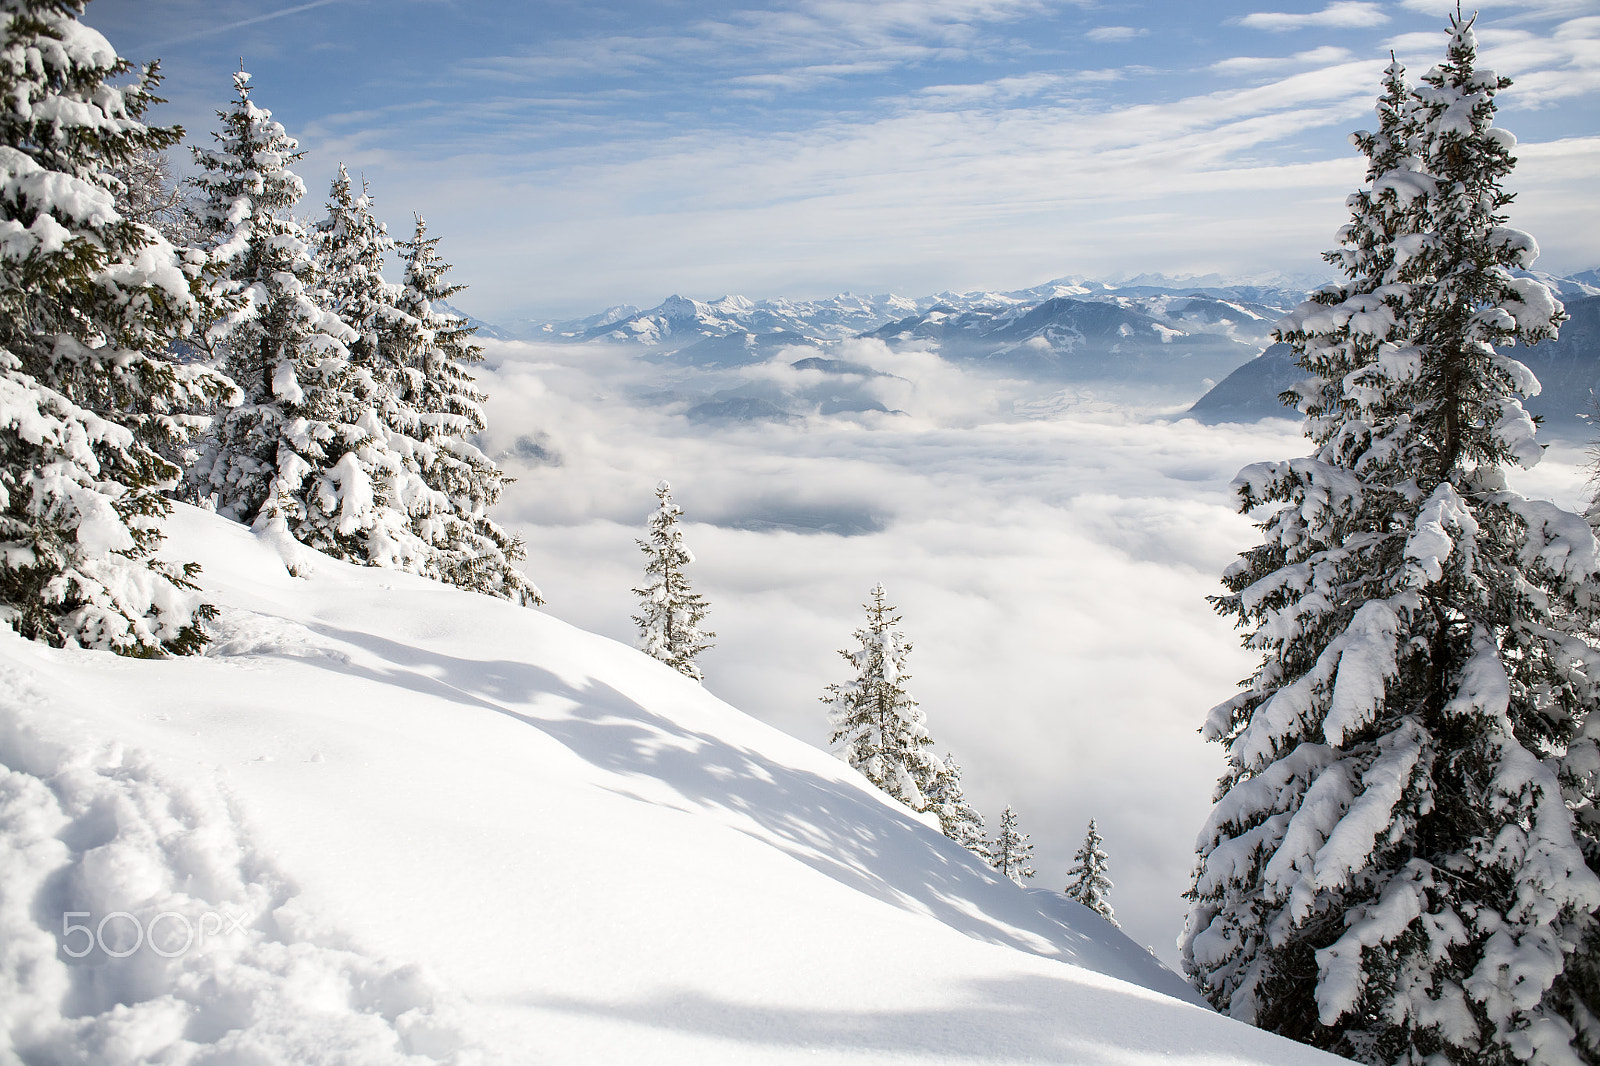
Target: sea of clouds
{"points": [[1050, 550]]}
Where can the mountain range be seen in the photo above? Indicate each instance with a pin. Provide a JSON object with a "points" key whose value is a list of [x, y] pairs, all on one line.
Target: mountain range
{"points": [[1181, 334], [1175, 338]]}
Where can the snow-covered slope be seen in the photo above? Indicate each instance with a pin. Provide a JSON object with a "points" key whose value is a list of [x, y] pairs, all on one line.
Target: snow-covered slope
{"points": [[403, 823]]}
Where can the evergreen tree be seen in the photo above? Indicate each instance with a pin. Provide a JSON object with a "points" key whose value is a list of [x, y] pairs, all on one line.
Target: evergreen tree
{"points": [[265, 327], [1087, 881], [1010, 850], [877, 727], [85, 294], [350, 246], [1390, 871], [469, 549], [670, 612], [306, 452], [958, 819]]}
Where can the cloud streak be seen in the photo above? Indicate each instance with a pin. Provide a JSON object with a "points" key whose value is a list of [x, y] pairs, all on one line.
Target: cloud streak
{"points": [[595, 157], [1344, 14], [239, 24], [1110, 34], [789, 45]]}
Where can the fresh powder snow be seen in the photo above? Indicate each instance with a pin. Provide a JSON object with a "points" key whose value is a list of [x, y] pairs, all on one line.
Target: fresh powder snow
{"points": [[383, 820]]}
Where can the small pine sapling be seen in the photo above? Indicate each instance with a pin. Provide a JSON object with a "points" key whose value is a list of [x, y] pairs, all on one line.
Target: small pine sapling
{"points": [[958, 819], [671, 613], [1087, 881], [1010, 850]]}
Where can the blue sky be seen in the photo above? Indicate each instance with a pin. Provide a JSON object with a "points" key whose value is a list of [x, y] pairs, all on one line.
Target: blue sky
{"points": [[574, 155]]}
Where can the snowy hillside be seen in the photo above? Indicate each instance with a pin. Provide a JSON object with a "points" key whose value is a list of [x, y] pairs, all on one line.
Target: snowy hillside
{"points": [[386, 821]]}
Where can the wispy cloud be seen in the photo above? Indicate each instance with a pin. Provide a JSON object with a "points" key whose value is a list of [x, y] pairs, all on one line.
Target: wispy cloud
{"points": [[1545, 67], [1347, 14], [239, 24], [1316, 57], [792, 47], [1522, 10], [805, 77], [1051, 182], [1001, 89], [910, 146], [1108, 34]]}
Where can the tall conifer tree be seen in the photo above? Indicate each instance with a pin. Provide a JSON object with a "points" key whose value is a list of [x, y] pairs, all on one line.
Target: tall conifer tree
{"points": [[468, 548], [381, 424], [1390, 871], [274, 457], [671, 613], [877, 727], [85, 296]]}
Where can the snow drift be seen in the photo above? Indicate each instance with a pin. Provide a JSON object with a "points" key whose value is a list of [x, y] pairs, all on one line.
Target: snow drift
{"points": [[387, 821]]}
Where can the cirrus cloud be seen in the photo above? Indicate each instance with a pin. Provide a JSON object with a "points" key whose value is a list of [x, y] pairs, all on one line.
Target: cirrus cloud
{"points": [[1341, 13]]}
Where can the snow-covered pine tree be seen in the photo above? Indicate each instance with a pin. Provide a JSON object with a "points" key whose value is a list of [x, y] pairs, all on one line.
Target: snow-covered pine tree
{"points": [[266, 329], [877, 727], [470, 550], [305, 452], [385, 450], [85, 294], [1390, 872], [1010, 850], [349, 245], [1577, 991], [958, 819], [1087, 881], [670, 611]]}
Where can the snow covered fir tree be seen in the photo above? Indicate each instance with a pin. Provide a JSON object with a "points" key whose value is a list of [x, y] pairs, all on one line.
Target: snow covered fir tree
{"points": [[271, 458], [876, 726], [89, 300], [1010, 851], [353, 434], [671, 613], [958, 819], [1391, 871], [469, 550], [379, 483], [1087, 880]]}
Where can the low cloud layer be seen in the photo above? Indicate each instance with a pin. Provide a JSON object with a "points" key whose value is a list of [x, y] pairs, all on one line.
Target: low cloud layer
{"points": [[1050, 550]]}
